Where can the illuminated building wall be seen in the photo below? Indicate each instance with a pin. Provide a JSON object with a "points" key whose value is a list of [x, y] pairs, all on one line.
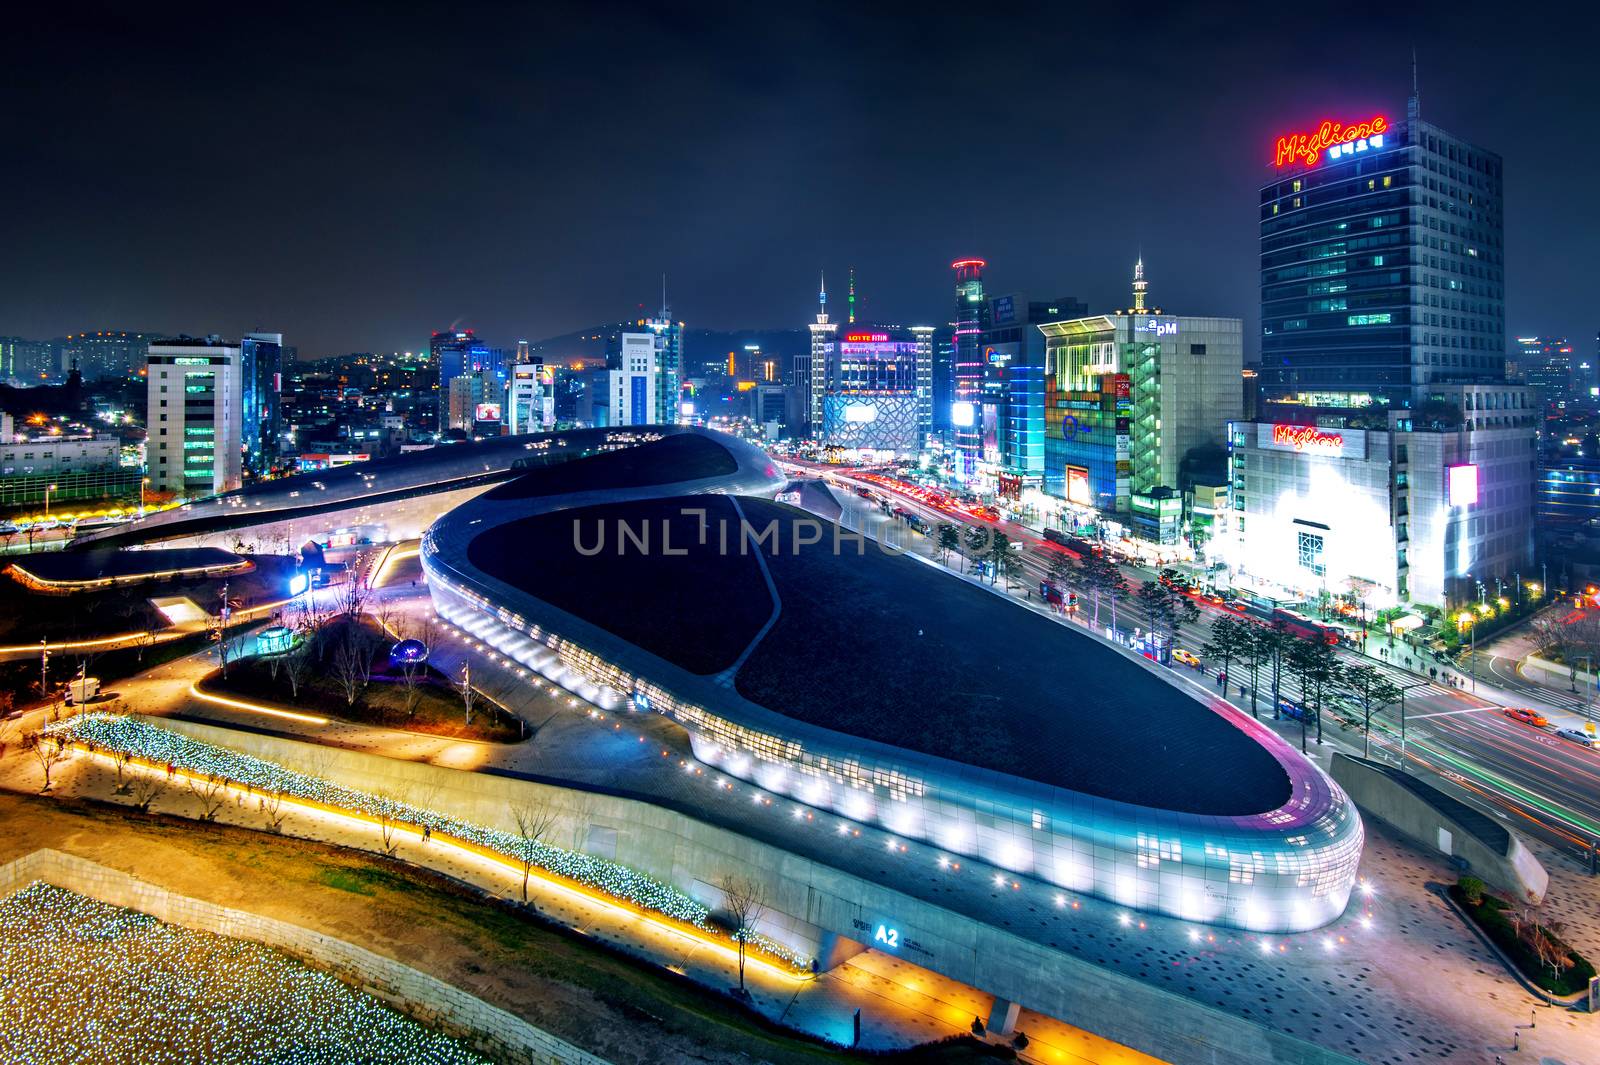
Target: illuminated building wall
{"points": [[1014, 350], [877, 385], [968, 369], [194, 395], [1419, 511], [1382, 263], [1127, 396], [877, 421]]}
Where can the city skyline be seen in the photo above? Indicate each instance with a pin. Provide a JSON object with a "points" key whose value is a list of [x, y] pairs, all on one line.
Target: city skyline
{"points": [[351, 226]]}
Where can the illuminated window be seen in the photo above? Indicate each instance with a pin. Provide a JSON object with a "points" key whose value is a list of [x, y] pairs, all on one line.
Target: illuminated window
{"points": [[1388, 180]]}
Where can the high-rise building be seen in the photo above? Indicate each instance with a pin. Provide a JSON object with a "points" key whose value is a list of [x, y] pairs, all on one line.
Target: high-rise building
{"points": [[822, 333], [1390, 457], [27, 362], [457, 353], [261, 377], [633, 381], [194, 415], [473, 401], [105, 354], [1129, 398], [669, 361], [1382, 264], [1015, 346], [967, 415], [1546, 363], [797, 398], [530, 397]]}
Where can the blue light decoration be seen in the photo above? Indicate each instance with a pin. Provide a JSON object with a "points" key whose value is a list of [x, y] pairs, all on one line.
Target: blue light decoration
{"points": [[408, 653], [274, 640]]}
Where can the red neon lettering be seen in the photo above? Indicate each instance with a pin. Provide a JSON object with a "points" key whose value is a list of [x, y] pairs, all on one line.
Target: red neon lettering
{"points": [[1302, 437], [1308, 147]]}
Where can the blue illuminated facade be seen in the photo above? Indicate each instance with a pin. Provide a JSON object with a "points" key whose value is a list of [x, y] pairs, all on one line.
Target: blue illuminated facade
{"points": [[1014, 352], [1382, 271]]}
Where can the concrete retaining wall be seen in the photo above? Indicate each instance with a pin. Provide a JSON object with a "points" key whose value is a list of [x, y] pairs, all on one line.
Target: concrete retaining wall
{"points": [[1556, 675], [441, 1006], [1512, 868], [811, 904]]}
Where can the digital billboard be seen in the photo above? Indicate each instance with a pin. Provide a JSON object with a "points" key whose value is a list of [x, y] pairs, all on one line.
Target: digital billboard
{"points": [[486, 412], [1078, 486], [963, 414], [1462, 484]]}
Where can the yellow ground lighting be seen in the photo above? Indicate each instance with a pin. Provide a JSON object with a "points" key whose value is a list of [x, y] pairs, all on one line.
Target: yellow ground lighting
{"points": [[255, 708]]}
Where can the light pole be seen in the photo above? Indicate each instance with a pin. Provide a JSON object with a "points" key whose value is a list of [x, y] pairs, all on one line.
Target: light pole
{"points": [[145, 483], [47, 490], [1467, 618]]}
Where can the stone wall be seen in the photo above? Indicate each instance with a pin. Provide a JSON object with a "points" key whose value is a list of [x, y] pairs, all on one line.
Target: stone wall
{"points": [[811, 905], [492, 1031]]}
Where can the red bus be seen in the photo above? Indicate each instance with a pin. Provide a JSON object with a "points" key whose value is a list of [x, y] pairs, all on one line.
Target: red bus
{"points": [[1304, 627]]}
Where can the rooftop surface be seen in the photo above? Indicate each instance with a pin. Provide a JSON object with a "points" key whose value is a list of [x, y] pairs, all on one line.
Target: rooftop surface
{"points": [[674, 458], [105, 563], [881, 647]]}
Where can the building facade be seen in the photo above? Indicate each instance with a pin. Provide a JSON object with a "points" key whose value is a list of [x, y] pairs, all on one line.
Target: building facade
{"points": [[194, 414], [1127, 398], [530, 397], [1393, 507], [633, 382], [1382, 264], [111, 353], [261, 382], [970, 422], [1015, 346]]}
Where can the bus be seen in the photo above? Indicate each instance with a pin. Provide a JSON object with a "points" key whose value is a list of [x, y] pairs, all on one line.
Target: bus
{"points": [[1304, 627]]}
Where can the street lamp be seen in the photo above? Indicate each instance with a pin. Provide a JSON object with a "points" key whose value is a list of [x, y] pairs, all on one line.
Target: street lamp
{"points": [[1467, 619], [47, 490], [142, 486]]}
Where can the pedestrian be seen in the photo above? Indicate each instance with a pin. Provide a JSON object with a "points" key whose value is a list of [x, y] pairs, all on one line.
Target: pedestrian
{"points": [[427, 832]]}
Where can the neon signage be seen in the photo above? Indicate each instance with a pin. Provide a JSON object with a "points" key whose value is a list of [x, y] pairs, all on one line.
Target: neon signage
{"points": [[1307, 438], [889, 937], [866, 338], [1334, 137]]}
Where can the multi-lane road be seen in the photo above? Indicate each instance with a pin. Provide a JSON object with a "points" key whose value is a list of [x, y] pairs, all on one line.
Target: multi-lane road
{"points": [[1531, 778]]}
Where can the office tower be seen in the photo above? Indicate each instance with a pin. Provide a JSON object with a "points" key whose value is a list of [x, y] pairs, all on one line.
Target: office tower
{"points": [[1546, 364], [261, 378], [967, 369], [797, 398], [1382, 264], [195, 398], [1014, 347], [633, 381], [472, 400], [1383, 373], [1128, 397], [530, 397], [822, 333], [669, 361], [457, 353]]}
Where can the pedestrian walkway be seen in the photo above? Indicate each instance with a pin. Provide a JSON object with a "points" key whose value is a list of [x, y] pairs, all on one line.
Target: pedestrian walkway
{"points": [[901, 1005]]}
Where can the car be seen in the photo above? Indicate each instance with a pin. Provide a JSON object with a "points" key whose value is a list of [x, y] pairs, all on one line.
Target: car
{"points": [[1526, 716], [1577, 735], [1188, 658]]}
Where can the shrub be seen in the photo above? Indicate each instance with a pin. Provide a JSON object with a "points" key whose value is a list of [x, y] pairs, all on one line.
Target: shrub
{"points": [[1471, 890]]}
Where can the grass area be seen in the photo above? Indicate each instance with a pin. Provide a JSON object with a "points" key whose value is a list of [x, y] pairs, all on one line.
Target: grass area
{"points": [[1510, 929], [382, 699], [556, 979]]}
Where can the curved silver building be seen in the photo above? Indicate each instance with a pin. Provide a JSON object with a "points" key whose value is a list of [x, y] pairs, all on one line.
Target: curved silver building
{"points": [[666, 578]]}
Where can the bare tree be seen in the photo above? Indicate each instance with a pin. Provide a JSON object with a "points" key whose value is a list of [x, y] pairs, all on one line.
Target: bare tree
{"points": [[745, 900], [1547, 633], [48, 751], [469, 695], [351, 661], [271, 804], [296, 661], [534, 820], [212, 793], [146, 788]]}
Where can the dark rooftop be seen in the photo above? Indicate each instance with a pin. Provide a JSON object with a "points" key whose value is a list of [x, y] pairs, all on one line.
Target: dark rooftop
{"points": [[683, 457], [110, 564], [883, 648]]}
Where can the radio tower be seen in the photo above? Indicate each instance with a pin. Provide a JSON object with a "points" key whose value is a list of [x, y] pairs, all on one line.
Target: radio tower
{"points": [[1139, 286], [852, 296]]}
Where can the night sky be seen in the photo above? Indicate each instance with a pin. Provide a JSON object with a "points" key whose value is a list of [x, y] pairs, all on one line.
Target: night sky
{"points": [[357, 177]]}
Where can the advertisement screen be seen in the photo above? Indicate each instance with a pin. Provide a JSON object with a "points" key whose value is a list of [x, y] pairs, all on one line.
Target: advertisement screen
{"points": [[1463, 485], [486, 412], [962, 414], [1078, 486]]}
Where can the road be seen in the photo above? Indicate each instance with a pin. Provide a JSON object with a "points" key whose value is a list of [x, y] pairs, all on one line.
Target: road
{"points": [[1535, 781]]}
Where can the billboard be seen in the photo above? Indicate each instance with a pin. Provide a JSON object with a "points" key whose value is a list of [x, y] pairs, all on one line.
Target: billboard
{"points": [[1462, 483], [486, 412], [1078, 486], [963, 415]]}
